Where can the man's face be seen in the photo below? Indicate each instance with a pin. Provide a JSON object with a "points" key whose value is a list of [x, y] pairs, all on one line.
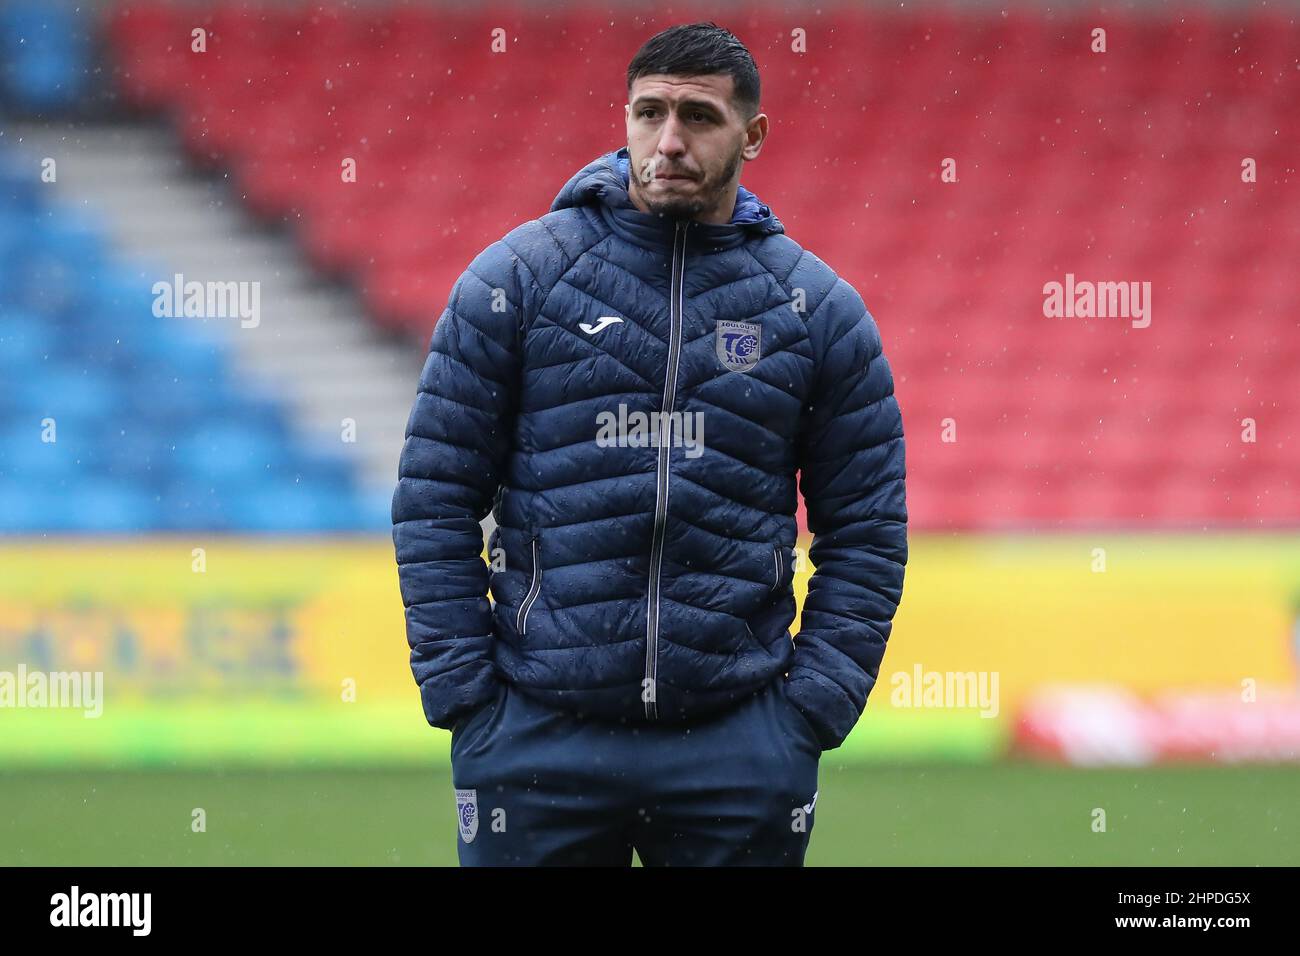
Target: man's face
{"points": [[687, 142]]}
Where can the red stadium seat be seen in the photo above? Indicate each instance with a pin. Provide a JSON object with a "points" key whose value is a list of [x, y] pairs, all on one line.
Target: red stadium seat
{"points": [[1122, 166]]}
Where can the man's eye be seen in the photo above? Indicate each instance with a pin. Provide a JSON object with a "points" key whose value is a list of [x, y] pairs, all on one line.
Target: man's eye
{"points": [[694, 115]]}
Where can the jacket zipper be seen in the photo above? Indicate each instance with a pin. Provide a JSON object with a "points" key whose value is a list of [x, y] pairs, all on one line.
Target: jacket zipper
{"points": [[521, 619], [776, 556], [661, 473]]}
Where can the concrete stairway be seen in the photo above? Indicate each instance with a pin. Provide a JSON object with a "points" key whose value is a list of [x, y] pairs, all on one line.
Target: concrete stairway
{"points": [[312, 347]]}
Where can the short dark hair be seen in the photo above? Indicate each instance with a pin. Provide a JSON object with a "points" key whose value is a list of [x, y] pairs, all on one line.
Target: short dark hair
{"points": [[700, 49]]}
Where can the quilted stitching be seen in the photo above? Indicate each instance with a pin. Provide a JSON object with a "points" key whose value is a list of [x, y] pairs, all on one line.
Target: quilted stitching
{"points": [[505, 419]]}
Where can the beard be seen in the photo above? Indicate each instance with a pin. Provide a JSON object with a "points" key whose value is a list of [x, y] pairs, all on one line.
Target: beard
{"points": [[707, 195]]}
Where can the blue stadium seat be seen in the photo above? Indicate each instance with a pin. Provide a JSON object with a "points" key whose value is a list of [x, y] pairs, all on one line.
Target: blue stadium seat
{"points": [[25, 341], [152, 432], [187, 505], [287, 505], [99, 505], [60, 390], [221, 452], [44, 62]]}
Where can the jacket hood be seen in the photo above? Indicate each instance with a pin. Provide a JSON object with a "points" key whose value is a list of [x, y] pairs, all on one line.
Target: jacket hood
{"points": [[604, 183]]}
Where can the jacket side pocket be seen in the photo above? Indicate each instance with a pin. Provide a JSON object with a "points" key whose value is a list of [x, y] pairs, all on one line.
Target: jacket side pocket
{"points": [[782, 568], [806, 727], [534, 588], [470, 721]]}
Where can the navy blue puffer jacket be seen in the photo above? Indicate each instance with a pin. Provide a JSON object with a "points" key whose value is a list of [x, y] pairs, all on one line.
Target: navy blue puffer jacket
{"points": [[642, 563]]}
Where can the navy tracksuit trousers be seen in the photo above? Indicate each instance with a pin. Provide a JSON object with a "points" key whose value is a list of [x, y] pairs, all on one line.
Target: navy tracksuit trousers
{"points": [[539, 786]]}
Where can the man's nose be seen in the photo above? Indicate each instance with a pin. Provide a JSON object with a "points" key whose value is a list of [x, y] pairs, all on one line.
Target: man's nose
{"points": [[670, 140]]}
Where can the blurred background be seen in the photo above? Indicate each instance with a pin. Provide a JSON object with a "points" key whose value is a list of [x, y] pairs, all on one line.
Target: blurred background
{"points": [[1102, 607]]}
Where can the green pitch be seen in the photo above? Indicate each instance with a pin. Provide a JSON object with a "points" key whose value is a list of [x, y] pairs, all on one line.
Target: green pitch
{"points": [[866, 815]]}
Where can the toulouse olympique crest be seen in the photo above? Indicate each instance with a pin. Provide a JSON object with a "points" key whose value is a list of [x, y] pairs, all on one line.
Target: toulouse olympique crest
{"points": [[467, 814], [738, 344]]}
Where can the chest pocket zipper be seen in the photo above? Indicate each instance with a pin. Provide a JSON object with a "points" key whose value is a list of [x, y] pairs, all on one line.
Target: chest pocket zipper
{"points": [[521, 619], [776, 561]]}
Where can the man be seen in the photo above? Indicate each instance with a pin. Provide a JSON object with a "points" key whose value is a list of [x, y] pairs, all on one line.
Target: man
{"points": [[631, 383]]}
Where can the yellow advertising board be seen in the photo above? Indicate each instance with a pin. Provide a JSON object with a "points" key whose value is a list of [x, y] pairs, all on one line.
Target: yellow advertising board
{"points": [[247, 649]]}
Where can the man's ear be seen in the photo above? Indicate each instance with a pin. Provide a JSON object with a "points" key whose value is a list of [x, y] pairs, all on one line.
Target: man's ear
{"points": [[755, 136]]}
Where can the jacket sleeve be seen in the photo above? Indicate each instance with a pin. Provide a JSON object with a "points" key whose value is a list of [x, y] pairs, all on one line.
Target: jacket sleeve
{"points": [[852, 476], [457, 439]]}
